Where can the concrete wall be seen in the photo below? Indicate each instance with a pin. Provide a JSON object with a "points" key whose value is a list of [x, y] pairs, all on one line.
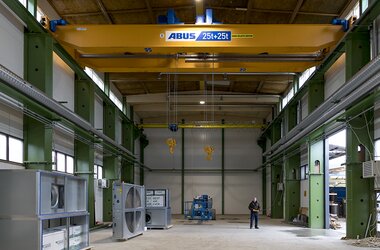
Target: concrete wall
{"points": [[63, 82], [12, 42], [241, 152], [335, 77], [268, 189]]}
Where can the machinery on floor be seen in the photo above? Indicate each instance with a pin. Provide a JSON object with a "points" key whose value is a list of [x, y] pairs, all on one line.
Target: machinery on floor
{"points": [[158, 210], [200, 208], [128, 210], [43, 210]]}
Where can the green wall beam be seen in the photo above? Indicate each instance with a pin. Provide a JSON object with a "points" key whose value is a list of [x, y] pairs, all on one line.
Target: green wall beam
{"points": [[223, 174], [111, 163], [316, 185], [38, 137], [183, 169], [292, 187], [128, 139], [84, 153], [277, 202], [360, 192], [316, 90]]}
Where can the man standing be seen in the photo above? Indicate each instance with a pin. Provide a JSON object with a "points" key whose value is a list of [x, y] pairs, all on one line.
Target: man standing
{"points": [[254, 207]]}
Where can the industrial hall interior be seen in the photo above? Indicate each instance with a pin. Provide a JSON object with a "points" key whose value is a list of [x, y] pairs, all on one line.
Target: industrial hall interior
{"points": [[182, 124]]}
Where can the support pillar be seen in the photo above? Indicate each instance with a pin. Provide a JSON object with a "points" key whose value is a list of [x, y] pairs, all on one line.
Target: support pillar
{"points": [[223, 174], [291, 117], [360, 192], [292, 187], [143, 144], [275, 132], [262, 143], [316, 185], [183, 169], [84, 153], [316, 93], [361, 203], [110, 162], [128, 139], [277, 195], [38, 137]]}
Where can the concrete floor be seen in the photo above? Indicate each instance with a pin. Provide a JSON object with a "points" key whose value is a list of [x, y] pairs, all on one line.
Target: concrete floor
{"points": [[227, 232]]}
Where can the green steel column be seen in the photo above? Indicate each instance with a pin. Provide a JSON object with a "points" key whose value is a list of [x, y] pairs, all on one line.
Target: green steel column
{"points": [[361, 202], [277, 202], [110, 162], [127, 173], [84, 153], [38, 137], [143, 143], [262, 143], [316, 185], [183, 169], [276, 132], [291, 114], [316, 93], [292, 187], [360, 192], [223, 177], [107, 84]]}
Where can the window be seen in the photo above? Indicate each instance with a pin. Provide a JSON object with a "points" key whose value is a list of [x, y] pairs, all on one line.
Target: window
{"points": [[305, 76], [304, 172], [286, 99], [3, 147], [16, 152], [69, 164], [98, 172], [356, 9], [63, 162], [116, 100], [11, 149], [40, 14], [23, 2], [98, 81]]}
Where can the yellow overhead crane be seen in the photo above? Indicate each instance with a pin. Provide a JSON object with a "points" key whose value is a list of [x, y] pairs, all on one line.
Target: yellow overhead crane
{"points": [[199, 48]]}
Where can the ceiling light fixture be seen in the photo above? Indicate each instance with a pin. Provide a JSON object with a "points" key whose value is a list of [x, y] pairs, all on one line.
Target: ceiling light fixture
{"points": [[202, 102]]}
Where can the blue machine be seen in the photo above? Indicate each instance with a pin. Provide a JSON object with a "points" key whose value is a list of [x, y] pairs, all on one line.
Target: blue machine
{"points": [[200, 208]]}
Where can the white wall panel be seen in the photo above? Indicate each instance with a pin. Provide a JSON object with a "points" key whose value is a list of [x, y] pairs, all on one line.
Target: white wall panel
{"points": [[204, 183], [63, 142], [157, 152], [240, 188], [171, 181], [241, 149], [195, 141], [63, 82], [98, 157], [98, 116], [12, 42], [335, 77], [11, 121]]}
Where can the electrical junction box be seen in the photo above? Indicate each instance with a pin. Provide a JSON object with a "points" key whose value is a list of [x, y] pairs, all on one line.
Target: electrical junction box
{"points": [[103, 183], [371, 169]]}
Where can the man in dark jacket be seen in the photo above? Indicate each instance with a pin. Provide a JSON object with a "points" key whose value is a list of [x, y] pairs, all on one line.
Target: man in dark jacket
{"points": [[254, 207]]}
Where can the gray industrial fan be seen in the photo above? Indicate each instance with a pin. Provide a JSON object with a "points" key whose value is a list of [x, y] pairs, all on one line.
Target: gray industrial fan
{"points": [[128, 210]]}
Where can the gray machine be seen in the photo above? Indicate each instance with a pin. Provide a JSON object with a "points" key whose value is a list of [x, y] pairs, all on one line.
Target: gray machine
{"points": [[158, 211], [43, 210], [128, 210]]}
